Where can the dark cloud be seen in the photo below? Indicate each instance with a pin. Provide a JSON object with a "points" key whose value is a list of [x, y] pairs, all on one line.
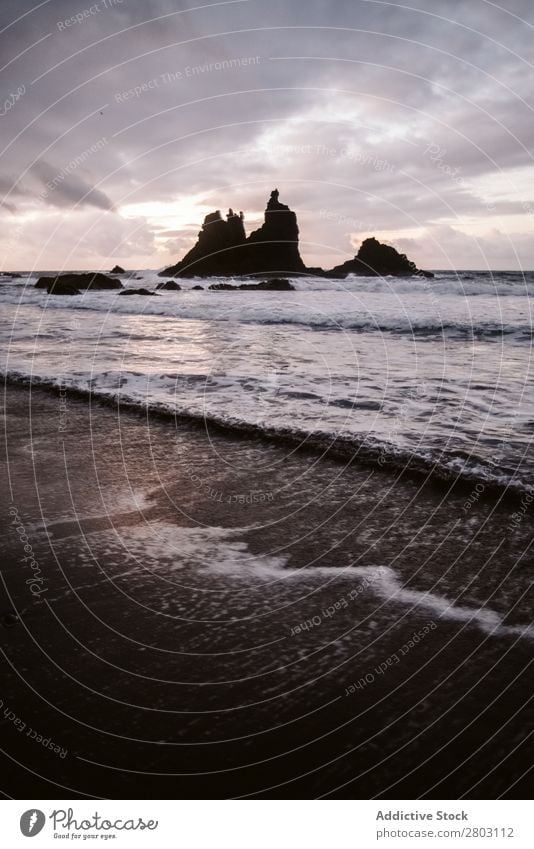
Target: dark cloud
{"points": [[63, 189]]}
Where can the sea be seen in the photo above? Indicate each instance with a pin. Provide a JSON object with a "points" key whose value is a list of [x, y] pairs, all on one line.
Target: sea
{"points": [[233, 617], [430, 374]]}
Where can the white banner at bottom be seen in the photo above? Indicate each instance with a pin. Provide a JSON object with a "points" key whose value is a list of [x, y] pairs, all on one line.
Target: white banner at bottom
{"points": [[264, 824]]}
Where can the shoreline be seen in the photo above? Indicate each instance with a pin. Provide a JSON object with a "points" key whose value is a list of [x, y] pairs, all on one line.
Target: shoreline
{"points": [[193, 647], [339, 448]]}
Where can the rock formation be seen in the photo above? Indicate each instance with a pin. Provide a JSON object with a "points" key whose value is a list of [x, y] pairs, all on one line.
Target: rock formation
{"points": [[79, 281], [375, 259], [136, 292], [274, 285], [117, 270], [215, 251], [223, 249], [60, 287], [274, 247], [169, 286]]}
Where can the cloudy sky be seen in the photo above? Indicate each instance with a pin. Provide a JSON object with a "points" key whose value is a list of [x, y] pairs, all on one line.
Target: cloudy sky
{"points": [[123, 123]]}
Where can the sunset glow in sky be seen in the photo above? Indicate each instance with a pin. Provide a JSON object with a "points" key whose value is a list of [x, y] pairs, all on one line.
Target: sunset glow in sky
{"points": [[124, 123]]}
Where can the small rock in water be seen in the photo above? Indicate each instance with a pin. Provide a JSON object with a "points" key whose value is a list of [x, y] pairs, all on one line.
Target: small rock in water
{"points": [[277, 284], [218, 287], [78, 281], [136, 292], [169, 286]]}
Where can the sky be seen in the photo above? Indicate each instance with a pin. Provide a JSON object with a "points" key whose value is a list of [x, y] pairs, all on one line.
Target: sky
{"points": [[123, 123]]}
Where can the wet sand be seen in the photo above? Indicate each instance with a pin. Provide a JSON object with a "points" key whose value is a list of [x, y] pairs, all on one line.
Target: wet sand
{"points": [[206, 615]]}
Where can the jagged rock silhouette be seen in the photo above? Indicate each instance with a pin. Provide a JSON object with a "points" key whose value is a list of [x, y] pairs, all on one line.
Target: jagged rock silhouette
{"points": [[223, 250]]}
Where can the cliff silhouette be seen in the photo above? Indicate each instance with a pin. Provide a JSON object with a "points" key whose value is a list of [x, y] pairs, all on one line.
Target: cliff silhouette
{"points": [[224, 250]]}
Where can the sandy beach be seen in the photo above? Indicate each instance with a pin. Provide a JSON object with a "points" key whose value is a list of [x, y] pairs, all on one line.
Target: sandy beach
{"points": [[191, 614]]}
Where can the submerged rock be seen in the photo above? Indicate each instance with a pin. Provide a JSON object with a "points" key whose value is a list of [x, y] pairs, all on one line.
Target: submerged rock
{"points": [[198, 288], [275, 285], [136, 292], [169, 286], [80, 281], [379, 260]]}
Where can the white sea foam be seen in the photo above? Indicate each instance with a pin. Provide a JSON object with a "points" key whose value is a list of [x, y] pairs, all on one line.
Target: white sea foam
{"points": [[385, 583], [407, 368], [181, 554], [365, 304]]}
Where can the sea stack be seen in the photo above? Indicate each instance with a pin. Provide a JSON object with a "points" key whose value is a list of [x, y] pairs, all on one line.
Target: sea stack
{"points": [[215, 252], [223, 249], [274, 247], [374, 259]]}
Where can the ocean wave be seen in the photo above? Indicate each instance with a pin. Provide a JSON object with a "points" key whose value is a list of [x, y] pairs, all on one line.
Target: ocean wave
{"points": [[402, 312], [467, 283], [451, 467]]}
